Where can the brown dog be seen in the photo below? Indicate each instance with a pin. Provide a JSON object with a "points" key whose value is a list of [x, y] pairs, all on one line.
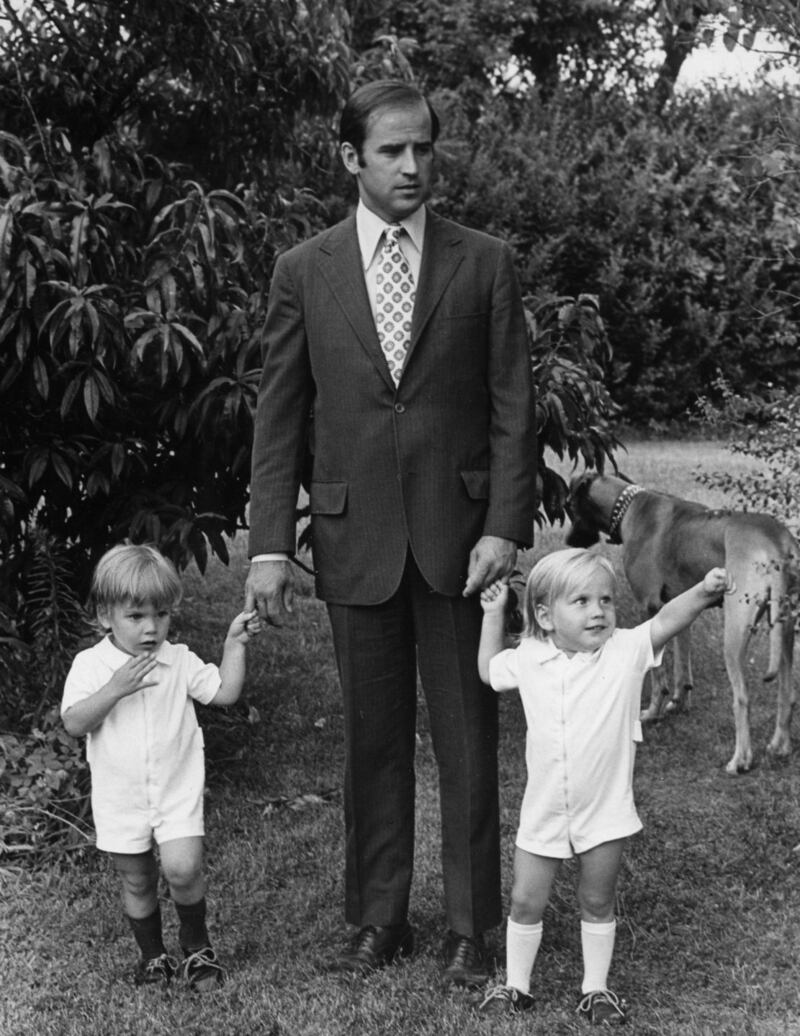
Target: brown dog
{"points": [[668, 544]]}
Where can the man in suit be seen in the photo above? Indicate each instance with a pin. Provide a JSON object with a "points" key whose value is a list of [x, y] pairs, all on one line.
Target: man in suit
{"points": [[423, 453]]}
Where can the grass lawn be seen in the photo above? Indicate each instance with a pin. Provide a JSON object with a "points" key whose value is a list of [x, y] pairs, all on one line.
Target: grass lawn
{"points": [[708, 939]]}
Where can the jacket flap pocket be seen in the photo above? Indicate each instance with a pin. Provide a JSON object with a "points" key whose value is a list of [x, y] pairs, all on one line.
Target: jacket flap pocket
{"points": [[477, 484], [327, 497]]}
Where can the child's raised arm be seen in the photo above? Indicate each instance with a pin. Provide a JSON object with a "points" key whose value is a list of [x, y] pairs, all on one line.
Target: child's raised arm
{"points": [[232, 666], [492, 642], [682, 610]]}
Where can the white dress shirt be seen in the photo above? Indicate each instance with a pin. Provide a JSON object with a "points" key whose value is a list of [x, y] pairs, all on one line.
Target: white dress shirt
{"points": [[370, 229]]}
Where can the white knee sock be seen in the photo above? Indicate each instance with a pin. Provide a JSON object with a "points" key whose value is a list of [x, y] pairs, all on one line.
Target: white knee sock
{"points": [[522, 945], [597, 942]]}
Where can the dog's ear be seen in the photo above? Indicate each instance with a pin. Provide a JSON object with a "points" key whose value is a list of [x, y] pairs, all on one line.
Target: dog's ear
{"points": [[579, 489], [582, 535]]}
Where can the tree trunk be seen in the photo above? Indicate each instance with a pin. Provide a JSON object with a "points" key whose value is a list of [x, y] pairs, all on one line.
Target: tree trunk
{"points": [[679, 42]]}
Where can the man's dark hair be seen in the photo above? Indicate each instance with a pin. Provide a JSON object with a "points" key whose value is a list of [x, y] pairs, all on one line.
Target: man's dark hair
{"points": [[369, 98]]}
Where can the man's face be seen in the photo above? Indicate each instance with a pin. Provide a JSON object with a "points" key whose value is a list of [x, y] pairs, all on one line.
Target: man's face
{"points": [[396, 168]]}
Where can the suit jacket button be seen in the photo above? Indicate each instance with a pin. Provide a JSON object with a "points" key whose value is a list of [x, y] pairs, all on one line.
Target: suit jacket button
{"points": [[399, 408]]}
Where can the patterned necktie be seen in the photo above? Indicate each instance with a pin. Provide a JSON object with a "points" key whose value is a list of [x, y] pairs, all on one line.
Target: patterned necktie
{"points": [[394, 301]]}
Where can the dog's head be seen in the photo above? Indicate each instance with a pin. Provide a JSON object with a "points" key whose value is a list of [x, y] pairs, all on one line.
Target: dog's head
{"points": [[585, 529], [591, 500]]}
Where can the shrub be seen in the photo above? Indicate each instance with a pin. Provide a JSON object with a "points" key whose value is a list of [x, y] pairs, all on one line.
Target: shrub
{"points": [[574, 411], [683, 233], [44, 793], [129, 302], [767, 429]]}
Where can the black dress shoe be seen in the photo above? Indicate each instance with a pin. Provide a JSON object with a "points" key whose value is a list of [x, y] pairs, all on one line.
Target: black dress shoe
{"points": [[465, 961], [373, 947]]}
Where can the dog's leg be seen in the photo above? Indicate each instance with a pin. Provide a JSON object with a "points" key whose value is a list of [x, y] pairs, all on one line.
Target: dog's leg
{"points": [[738, 625], [781, 744], [683, 682], [656, 679]]}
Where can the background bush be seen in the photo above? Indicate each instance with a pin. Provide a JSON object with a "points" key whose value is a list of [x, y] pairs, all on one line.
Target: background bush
{"points": [[672, 222]]}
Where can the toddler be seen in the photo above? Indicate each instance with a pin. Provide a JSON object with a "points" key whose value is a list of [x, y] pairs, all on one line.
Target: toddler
{"points": [[131, 695], [580, 681]]}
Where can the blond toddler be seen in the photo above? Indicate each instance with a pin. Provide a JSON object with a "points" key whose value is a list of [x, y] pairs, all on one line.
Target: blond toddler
{"points": [[579, 678], [132, 696]]}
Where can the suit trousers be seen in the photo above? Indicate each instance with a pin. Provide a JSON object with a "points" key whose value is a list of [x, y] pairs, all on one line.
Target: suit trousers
{"points": [[378, 650]]}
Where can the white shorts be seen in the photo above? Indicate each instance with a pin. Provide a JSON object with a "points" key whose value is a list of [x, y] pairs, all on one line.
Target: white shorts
{"points": [[573, 843], [135, 832], [129, 821], [560, 835]]}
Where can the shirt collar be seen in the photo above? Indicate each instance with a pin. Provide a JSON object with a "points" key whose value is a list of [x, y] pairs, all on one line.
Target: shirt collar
{"points": [[113, 655], [370, 227], [542, 650], [546, 651]]}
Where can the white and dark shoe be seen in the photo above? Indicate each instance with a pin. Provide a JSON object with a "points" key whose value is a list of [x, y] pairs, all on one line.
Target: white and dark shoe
{"points": [[602, 1007], [505, 1000], [202, 970]]}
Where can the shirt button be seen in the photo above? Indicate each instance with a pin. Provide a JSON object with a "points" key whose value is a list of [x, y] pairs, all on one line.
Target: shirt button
{"points": [[399, 408]]}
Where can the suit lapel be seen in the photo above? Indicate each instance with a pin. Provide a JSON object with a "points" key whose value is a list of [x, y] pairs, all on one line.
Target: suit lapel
{"points": [[341, 266], [441, 256]]}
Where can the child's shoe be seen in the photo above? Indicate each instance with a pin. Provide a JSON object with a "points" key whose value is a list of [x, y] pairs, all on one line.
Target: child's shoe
{"points": [[602, 1007], [202, 970], [505, 1000], [157, 971]]}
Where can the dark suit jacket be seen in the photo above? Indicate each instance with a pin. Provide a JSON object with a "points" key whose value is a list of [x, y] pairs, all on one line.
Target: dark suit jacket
{"points": [[436, 462]]}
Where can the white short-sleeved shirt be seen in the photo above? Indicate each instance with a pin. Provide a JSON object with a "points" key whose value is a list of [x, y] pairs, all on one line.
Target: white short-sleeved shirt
{"points": [[146, 757], [582, 715]]}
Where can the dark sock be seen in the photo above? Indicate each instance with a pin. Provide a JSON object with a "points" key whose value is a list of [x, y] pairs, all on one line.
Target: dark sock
{"points": [[192, 934], [147, 933]]}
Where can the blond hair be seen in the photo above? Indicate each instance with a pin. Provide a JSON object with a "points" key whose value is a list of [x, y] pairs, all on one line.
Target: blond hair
{"points": [[137, 574], [557, 575]]}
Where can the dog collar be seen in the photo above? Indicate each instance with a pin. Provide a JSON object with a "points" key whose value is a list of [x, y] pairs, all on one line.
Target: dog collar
{"points": [[619, 510]]}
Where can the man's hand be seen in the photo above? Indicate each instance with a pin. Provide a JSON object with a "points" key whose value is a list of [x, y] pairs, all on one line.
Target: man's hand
{"points": [[490, 559], [269, 590]]}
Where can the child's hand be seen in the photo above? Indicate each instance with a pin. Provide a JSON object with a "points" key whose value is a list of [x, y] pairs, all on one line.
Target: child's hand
{"points": [[718, 581], [494, 597], [132, 676], [245, 626]]}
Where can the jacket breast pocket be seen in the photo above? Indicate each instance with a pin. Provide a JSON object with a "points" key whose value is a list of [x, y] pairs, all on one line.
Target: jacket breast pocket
{"points": [[476, 484], [328, 497], [480, 314]]}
